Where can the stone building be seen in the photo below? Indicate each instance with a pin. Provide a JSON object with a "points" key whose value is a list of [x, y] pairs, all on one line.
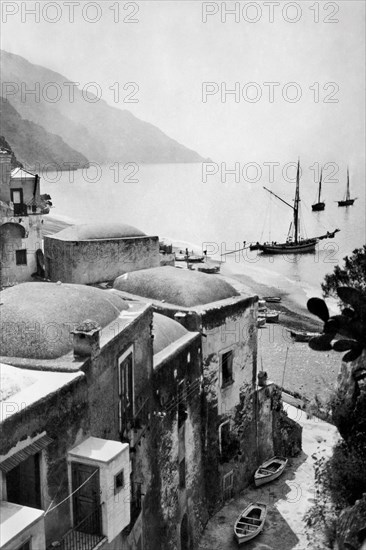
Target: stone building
{"points": [[21, 210], [235, 411], [180, 511], [93, 253], [76, 398]]}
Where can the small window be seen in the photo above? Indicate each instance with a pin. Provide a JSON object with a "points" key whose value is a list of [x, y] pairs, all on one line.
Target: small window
{"points": [[21, 257], [227, 368], [119, 481], [182, 474], [25, 546], [227, 485]]}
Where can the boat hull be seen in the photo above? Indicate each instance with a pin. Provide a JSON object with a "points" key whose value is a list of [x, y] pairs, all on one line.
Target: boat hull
{"points": [[261, 477], [289, 248], [347, 202], [250, 522], [274, 299], [303, 336], [318, 206]]}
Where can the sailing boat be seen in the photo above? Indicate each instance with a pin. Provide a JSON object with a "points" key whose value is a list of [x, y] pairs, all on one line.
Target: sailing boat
{"points": [[319, 205], [295, 244], [347, 201]]}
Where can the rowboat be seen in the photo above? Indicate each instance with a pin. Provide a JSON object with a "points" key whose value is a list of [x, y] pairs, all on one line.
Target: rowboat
{"points": [[272, 316], [261, 321], [192, 258], [270, 469], [272, 299], [250, 522], [303, 335], [209, 269]]}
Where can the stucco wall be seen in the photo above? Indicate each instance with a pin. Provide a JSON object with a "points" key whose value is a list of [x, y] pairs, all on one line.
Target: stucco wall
{"points": [[94, 261], [10, 242]]}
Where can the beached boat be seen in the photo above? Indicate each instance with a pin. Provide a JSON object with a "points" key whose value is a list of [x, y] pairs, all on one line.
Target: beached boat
{"points": [[250, 522], [261, 321], [272, 316], [209, 269], [347, 201], [270, 470], [191, 258], [303, 335], [320, 205], [294, 244], [272, 299]]}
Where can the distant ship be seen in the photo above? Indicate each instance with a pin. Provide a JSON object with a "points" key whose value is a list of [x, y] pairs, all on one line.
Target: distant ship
{"points": [[294, 244], [320, 205], [347, 201]]}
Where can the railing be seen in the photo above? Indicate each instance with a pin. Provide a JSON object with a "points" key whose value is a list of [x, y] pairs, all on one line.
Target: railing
{"points": [[86, 535]]}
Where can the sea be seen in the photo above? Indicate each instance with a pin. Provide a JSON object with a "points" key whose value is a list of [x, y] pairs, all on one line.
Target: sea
{"points": [[205, 207]]}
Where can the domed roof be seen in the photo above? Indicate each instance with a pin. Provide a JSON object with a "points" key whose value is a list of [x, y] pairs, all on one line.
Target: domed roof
{"points": [[181, 287], [166, 331], [95, 231], [36, 318]]}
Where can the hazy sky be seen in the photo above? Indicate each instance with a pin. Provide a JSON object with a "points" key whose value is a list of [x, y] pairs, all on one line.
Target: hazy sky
{"points": [[170, 52]]}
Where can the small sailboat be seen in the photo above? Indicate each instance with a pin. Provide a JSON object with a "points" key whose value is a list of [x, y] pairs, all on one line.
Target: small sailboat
{"points": [[294, 244], [250, 522], [347, 201], [270, 469], [320, 205]]}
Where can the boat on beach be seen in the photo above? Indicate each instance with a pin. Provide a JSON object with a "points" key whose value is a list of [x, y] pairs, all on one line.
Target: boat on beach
{"points": [[209, 269], [272, 316], [303, 335], [270, 470], [347, 201], [320, 205], [191, 258], [274, 299], [295, 244], [250, 522], [261, 321]]}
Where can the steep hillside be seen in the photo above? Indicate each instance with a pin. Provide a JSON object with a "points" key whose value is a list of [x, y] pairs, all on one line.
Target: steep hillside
{"points": [[99, 131]]}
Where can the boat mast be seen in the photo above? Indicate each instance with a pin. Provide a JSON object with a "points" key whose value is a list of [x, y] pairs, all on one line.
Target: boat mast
{"points": [[320, 184], [347, 193], [296, 205]]}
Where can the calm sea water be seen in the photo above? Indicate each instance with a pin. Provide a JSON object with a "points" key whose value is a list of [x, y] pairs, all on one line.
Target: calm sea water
{"points": [[172, 201]]}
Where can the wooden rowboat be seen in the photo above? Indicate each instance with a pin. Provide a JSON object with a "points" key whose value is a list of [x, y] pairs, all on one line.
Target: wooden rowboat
{"points": [[303, 336], [270, 469], [272, 299], [272, 316], [250, 522]]}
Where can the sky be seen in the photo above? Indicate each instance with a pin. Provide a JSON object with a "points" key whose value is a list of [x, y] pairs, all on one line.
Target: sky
{"points": [[312, 51]]}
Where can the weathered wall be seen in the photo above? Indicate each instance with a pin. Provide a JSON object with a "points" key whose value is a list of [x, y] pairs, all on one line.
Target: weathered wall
{"points": [[11, 241], [167, 505], [94, 261]]}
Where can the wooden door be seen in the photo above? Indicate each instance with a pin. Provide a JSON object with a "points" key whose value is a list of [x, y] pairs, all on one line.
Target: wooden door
{"points": [[86, 500]]}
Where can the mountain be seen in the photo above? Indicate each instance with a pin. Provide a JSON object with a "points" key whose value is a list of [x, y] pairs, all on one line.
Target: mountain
{"points": [[33, 145], [101, 132], [5, 145]]}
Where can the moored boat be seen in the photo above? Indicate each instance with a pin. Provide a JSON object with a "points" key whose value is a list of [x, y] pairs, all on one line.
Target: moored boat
{"points": [[320, 205], [191, 258], [303, 335], [295, 244], [209, 269], [250, 522], [261, 321], [270, 470], [347, 201]]}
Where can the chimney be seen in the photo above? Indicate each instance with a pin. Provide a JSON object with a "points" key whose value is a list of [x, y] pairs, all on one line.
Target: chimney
{"points": [[87, 339], [5, 173]]}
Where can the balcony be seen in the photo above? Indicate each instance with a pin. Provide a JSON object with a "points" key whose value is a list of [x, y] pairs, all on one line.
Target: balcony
{"points": [[87, 535]]}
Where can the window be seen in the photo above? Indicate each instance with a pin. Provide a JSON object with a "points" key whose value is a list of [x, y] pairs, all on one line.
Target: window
{"points": [[25, 546], [182, 473], [21, 257], [227, 368], [182, 403], [125, 385], [227, 485], [23, 483], [119, 481]]}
